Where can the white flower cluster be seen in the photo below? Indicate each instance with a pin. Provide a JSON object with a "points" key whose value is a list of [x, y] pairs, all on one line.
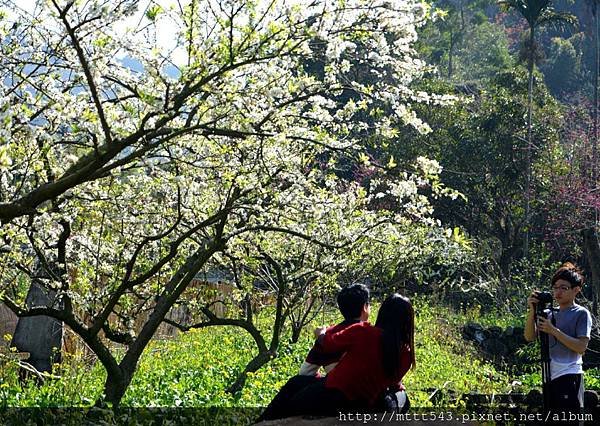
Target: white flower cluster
{"points": [[5, 134], [429, 166]]}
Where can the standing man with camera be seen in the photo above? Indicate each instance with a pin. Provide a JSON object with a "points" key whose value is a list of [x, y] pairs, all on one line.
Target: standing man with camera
{"points": [[568, 329]]}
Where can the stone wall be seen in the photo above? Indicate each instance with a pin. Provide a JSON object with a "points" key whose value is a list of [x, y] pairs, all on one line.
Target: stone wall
{"points": [[40, 335], [8, 323], [501, 345], [497, 344]]}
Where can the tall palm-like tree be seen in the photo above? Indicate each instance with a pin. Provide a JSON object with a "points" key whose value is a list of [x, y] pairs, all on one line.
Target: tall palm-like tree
{"points": [[590, 235], [594, 9], [537, 13]]}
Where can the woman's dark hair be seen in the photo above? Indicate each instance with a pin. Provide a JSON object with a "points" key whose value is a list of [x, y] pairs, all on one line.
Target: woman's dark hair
{"points": [[570, 273], [352, 299], [397, 319]]}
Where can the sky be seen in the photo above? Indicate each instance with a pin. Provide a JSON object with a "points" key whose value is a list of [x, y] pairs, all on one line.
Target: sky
{"points": [[165, 28], [165, 32]]}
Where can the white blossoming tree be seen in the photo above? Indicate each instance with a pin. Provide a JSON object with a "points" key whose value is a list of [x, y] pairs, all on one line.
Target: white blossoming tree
{"points": [[348, 236], [128, 163]]}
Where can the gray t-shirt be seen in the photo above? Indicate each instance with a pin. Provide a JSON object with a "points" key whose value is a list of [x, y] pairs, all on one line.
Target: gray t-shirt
{"points": [[575, 321]]}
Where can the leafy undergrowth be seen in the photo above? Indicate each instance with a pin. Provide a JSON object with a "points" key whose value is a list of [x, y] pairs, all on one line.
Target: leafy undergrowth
{"points": [[195, 369], [447, 366]]}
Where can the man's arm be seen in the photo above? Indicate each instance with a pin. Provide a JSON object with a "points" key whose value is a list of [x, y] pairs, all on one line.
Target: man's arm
{"points": [[308, 369], [530, 332], [576, 344]]}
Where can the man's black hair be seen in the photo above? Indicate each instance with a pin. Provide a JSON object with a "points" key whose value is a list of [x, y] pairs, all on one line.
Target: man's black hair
{"points": [[351, 300], [570, 273]]}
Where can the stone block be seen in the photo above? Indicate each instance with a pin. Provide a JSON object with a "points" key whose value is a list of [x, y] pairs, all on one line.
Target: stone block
{"points": [[39, 335]]}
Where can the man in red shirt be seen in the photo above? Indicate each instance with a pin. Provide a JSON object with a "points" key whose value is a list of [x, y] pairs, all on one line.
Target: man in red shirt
{"points": [[353, 303]]}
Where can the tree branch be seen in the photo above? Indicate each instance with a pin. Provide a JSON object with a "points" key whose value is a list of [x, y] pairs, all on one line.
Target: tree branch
{"points": [[86, 69], [290, 232]]}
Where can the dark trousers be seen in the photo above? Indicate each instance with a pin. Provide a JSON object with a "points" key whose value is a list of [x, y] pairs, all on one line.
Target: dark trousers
{"points": [[305, 395], [566, 392]]}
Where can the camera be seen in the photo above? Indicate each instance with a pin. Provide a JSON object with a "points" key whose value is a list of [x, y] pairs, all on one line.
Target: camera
{"points": [[544, 297], [544, 302]]}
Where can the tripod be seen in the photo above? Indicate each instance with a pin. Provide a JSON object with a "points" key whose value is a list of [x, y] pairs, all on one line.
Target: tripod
{"points": [[545, 352]]}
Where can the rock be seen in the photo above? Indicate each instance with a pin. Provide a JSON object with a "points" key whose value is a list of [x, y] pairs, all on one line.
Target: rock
{"points": [[494, 347], [509, 332], [516, 398], [591, 358], [534, 398], [481, 336], [495, 342], [519, 335], [470, 329], [474, 399], [514, 342], [331, 421], [590, 398], [8, 323], [495, 331], [39, 335], [477, 400]]}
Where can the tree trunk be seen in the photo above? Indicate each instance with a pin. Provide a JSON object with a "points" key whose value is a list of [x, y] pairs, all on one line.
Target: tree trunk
{"points": [[505, 262], [507, 235], [115, 388], [529, 140], [592, 252], [119, 378], [296, 331], [257, 362], [595, 110], [450, 52]]}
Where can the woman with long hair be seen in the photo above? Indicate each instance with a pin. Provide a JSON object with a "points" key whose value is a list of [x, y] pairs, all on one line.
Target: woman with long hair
{"points": [[396, 318], [375, 358]]}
